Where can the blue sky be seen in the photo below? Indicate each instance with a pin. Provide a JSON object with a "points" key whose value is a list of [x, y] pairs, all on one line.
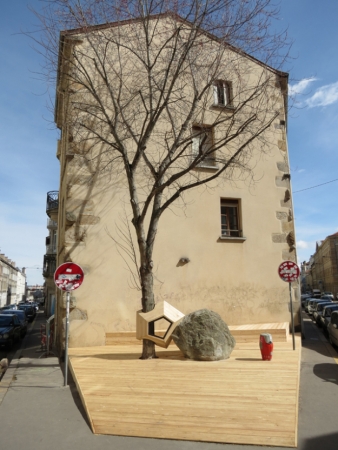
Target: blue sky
{"points": [[313, 121], [29, 168]]}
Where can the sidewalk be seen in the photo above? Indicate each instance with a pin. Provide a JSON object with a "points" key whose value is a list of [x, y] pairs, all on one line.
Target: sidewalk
{"points": [[38, 412]]}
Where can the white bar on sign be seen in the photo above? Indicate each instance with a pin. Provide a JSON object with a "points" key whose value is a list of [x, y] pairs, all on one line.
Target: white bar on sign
{"points": [[69, 277]]}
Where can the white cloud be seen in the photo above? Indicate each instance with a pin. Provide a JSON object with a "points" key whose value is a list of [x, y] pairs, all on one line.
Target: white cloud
{"points": [[303, 244], [301, 86], [324, 96]]}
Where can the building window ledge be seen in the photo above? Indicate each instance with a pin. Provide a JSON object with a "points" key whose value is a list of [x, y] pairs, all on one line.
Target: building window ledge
{"points": [[211, 168], [231, 239], [220, 106]]}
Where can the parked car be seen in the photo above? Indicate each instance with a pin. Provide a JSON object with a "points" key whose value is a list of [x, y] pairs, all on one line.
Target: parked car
{"points": [[332, 329], [29, 310], [21, 315], [312, 303], [306, 302], [12, 306], [318, 310], [304, 297], [327, 295], [316, 293], [10, 330], [325, 318]]}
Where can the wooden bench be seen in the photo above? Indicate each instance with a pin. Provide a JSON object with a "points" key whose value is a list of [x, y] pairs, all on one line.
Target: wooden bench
{"points": [[242, 333], [250, 333]]}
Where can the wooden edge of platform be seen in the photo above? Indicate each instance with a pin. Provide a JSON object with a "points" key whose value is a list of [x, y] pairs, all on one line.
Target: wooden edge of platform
{"points": [[78, 388], [299, 339]]}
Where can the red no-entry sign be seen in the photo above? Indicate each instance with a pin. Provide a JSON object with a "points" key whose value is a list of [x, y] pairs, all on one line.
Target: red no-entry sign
{"points": [[68, 276], [288, 271]]}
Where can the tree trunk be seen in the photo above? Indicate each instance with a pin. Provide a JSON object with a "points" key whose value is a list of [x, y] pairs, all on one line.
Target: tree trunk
{"points": [[148, 304], [148, 349]]}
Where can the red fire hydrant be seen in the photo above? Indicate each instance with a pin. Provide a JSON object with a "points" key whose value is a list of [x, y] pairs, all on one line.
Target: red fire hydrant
{"points": [[266, 346]]}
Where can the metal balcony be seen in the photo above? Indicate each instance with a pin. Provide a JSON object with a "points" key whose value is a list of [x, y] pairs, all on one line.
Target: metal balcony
{"points": [[51, 249], [52, 204], [51, 224], [49, 266]]}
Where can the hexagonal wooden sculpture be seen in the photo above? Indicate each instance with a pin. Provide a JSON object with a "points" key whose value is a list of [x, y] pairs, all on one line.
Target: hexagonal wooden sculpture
{"points": [[146, 323]]}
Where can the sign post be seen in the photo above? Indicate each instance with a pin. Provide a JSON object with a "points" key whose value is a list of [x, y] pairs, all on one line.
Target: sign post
{"points": [[68, 277], [289, 271]]}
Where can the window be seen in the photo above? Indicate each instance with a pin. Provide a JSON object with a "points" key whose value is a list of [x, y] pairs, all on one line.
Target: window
{"points": [[230, 218], [202, 143], [54, 241], [222, 93]]}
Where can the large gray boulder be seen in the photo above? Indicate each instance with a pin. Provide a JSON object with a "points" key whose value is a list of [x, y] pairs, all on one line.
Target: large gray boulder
{"points": [[204, 336]]}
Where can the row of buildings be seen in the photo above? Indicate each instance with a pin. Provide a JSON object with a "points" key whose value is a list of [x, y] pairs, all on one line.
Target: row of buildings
{"points": [[12, 282], [321, 271], [217, 247]]}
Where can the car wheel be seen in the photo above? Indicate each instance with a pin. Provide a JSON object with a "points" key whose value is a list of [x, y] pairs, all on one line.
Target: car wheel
{"points": [[9, 344]]}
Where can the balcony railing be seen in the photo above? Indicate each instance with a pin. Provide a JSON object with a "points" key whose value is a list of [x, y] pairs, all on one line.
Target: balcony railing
{"points": [[49, 266], [51, 224], [52, 201], [50, 249]]}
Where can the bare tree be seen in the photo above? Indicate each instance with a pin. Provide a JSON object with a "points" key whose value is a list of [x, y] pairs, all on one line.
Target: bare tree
{"points": [[165, 94]]}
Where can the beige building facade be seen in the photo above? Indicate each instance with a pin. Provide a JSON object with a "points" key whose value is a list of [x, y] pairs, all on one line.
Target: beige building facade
{"points": [[322, 269], [12, 282], [219, 247]]}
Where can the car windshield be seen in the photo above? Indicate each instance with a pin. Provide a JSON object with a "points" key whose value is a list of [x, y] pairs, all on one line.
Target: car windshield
{"points": [[5, 321]]}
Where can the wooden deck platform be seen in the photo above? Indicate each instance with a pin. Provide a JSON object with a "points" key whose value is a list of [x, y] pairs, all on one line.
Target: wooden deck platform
{"points": [[241, 400]]}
